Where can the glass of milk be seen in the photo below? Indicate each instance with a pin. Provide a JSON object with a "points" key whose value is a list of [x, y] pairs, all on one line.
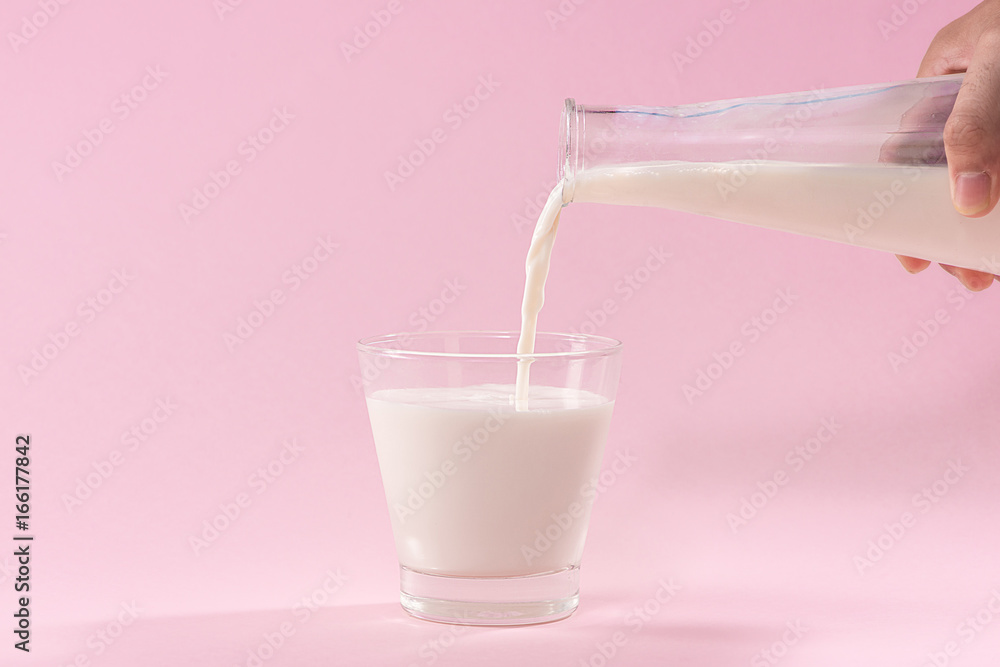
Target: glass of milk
{"points": [[489, 500]]}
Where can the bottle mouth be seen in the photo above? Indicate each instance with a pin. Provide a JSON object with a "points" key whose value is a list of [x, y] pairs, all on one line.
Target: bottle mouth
{"points": [[569, 139]]}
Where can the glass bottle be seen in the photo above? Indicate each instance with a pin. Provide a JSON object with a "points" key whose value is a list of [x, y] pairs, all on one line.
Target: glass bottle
{"points": [[863, 165]]}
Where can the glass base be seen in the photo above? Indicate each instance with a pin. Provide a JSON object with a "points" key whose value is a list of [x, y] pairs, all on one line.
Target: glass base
{"points": [[538, 598]]}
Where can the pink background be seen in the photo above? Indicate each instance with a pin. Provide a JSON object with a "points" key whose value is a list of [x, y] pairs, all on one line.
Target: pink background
{"points": [[163, 337]]}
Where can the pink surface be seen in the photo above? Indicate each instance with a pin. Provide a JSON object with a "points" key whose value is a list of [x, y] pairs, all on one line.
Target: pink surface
{"points": [[235, 162]]}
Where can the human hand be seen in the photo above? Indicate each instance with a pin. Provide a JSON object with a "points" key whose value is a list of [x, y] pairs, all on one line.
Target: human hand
{"points": [[970, 44]]}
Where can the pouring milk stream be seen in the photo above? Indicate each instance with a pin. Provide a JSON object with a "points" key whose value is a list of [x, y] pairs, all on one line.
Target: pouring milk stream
{"points": [[862, 165]]}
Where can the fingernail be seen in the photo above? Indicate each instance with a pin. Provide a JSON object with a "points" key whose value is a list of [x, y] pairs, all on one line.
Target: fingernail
{"points": [[972, 192]]}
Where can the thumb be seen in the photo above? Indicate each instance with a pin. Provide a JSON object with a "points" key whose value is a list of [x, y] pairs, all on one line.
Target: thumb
{"points": [[972, 140]]}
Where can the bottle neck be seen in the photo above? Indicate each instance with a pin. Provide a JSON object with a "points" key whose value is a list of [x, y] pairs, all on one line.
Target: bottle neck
{"points": [[569, 142], [899, 122]]}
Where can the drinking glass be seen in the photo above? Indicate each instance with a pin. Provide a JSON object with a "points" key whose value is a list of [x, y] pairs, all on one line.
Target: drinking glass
{"points": [[489, 502]]}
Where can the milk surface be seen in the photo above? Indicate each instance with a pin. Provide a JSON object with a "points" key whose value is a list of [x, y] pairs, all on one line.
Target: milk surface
{"points": [[477, 488]]}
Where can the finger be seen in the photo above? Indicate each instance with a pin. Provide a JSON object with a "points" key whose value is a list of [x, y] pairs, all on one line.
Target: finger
{"points": [[974, 281], [912, 264], [951, 49], [972, 133], [919, 137], [949, 53]]}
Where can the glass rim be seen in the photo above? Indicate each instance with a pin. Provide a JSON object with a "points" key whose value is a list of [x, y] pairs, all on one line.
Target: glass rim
{"points": [[380, 345]]}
